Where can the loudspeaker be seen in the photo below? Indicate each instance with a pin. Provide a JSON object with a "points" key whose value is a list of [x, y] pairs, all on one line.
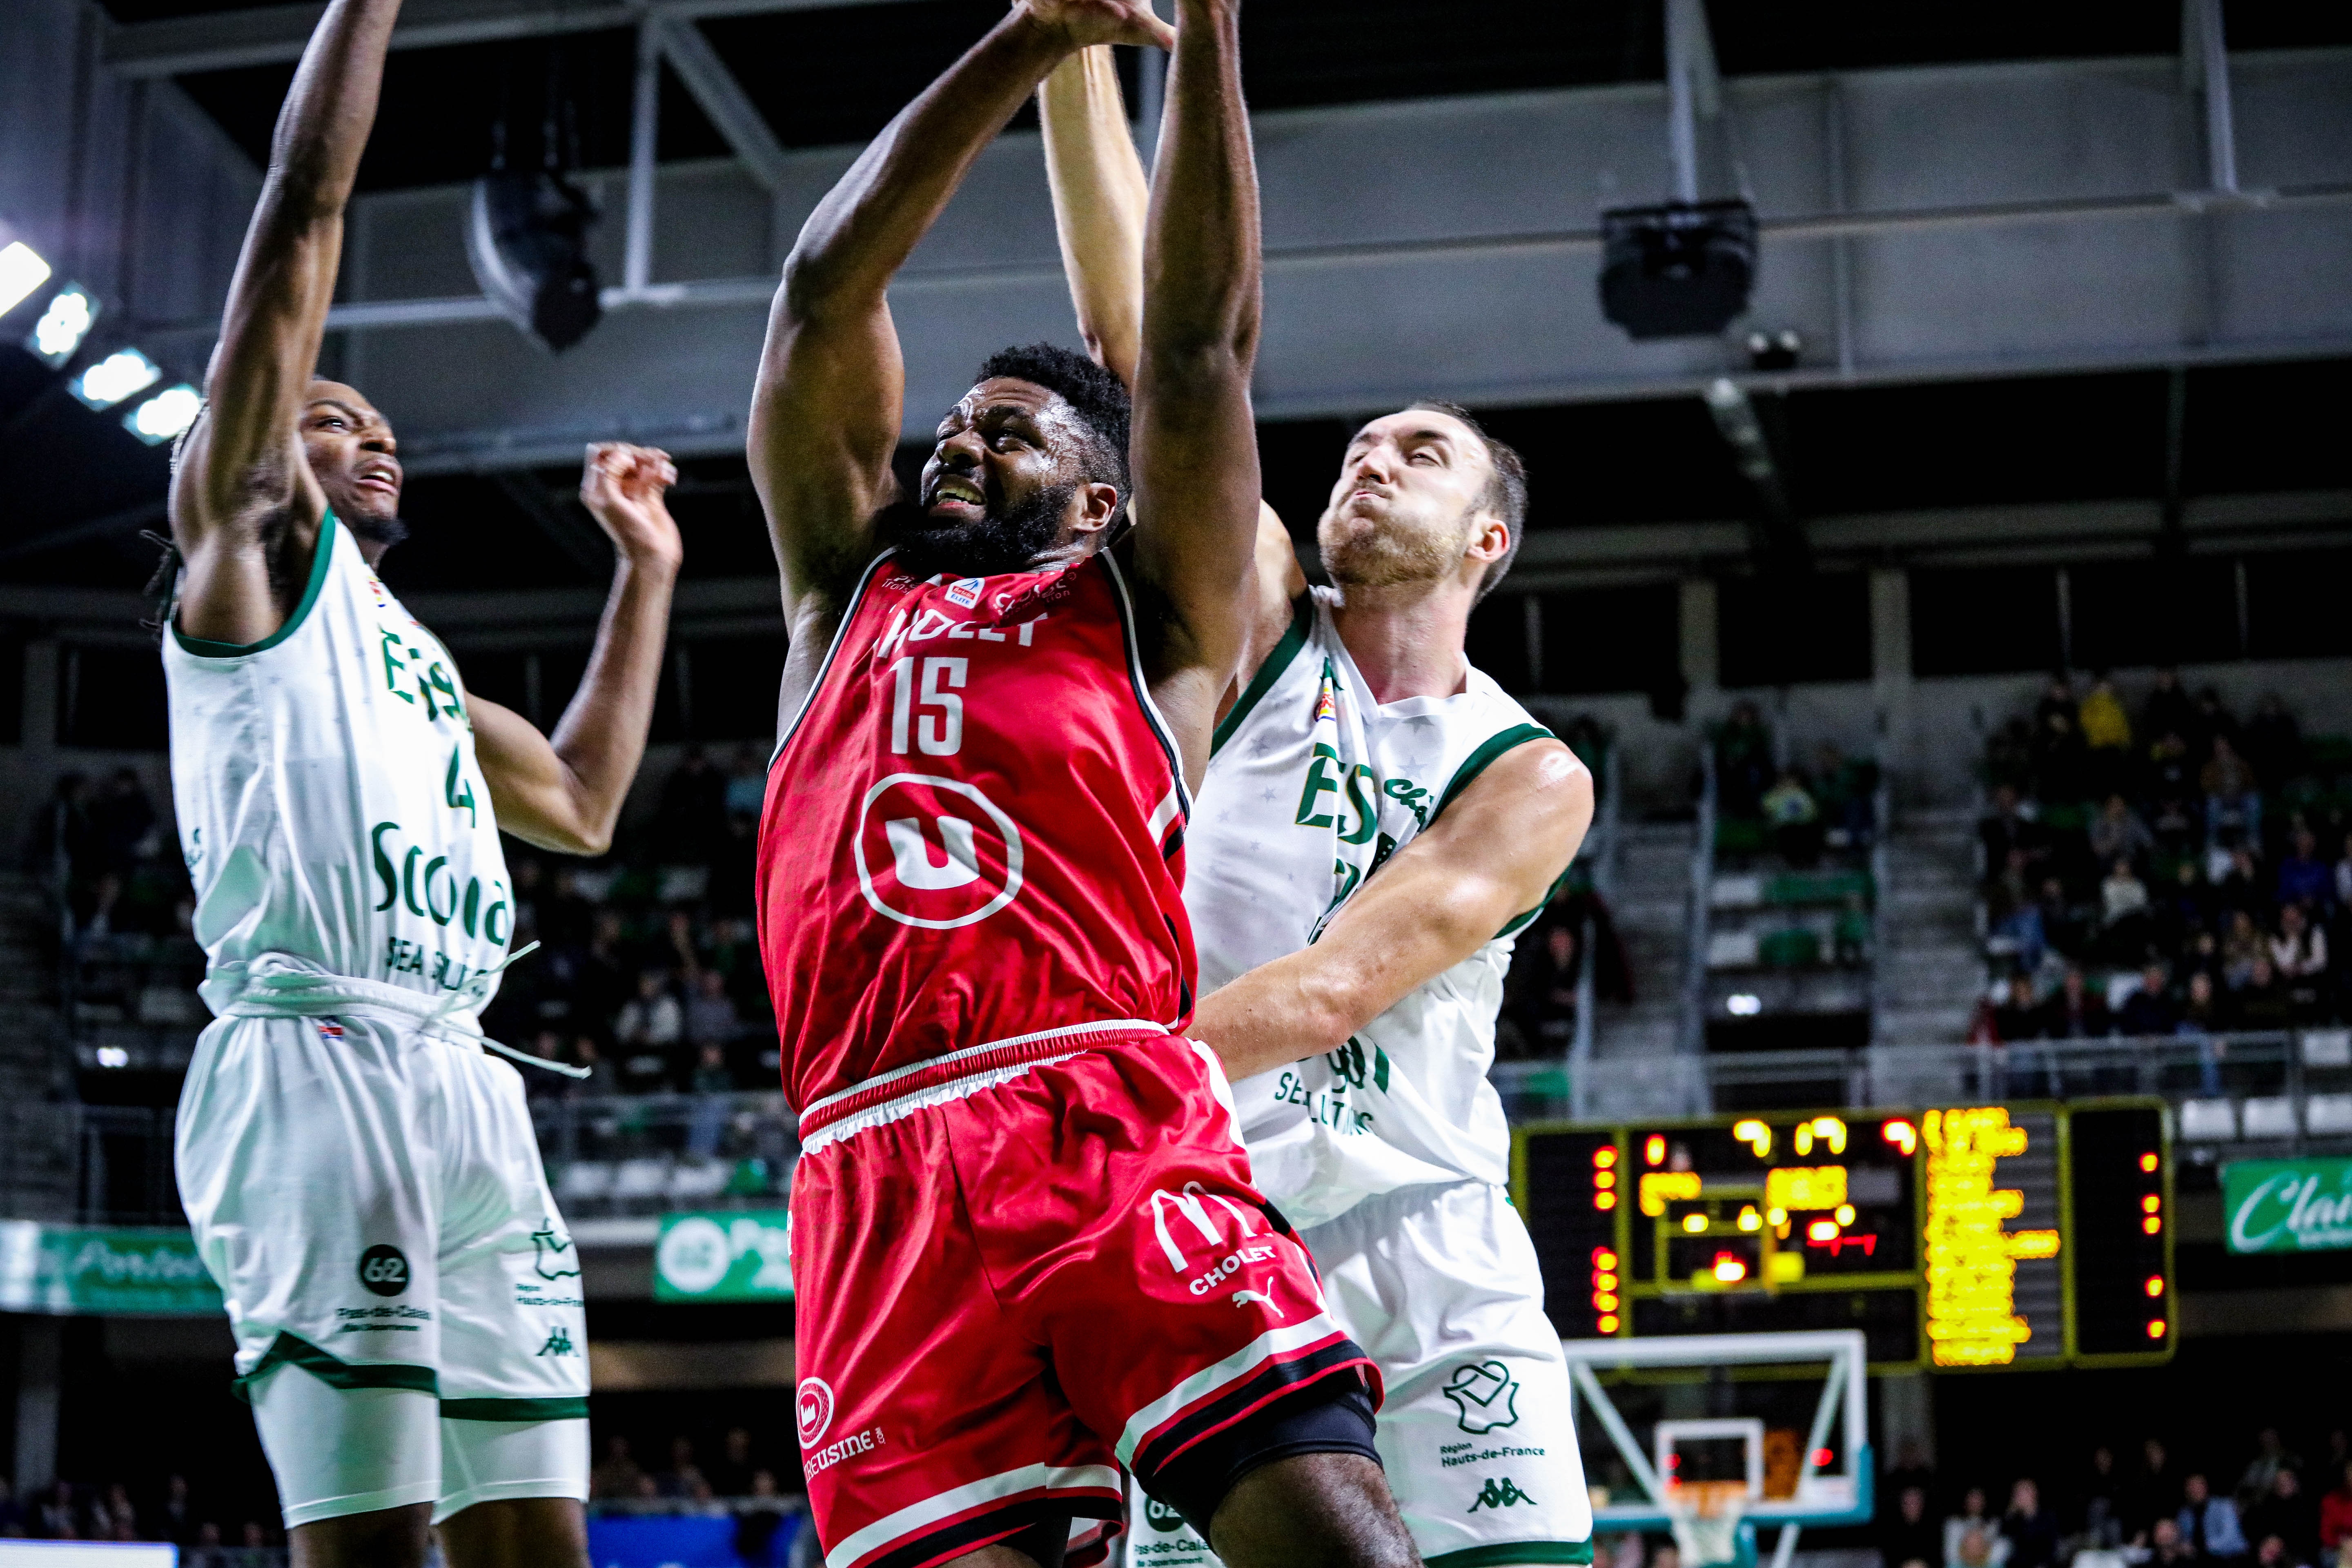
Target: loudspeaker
{"points": [[1681, 271], [528, 240]]}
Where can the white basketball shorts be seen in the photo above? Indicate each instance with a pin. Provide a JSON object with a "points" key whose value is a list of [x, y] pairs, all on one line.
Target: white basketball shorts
{"points": [[371, 1204], [1440, 1285]]}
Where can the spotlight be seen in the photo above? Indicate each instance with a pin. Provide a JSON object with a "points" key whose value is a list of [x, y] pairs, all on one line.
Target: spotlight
{"points": [[113, 1057], [527, 239], [72, 312], [163, 416], [1681, 271], [21, 271], [114, 378], [1743, 1005]]}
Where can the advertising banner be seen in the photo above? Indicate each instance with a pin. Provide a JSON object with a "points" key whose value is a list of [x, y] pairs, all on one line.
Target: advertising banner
{"points": [[2288, 1205], [728, 1255], [66, 1270]]}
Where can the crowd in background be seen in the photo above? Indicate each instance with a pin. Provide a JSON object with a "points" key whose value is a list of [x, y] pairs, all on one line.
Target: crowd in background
{"points": [[2141, 1509], [2171, 869], [1802, 808], [67, 1510]]}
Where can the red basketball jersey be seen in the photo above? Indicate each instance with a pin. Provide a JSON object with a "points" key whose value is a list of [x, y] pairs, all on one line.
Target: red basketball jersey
{"points": [[974, 830]]}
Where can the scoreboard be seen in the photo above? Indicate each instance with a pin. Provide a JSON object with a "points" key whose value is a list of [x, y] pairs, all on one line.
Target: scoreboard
{"points": [[1954, 1238]]}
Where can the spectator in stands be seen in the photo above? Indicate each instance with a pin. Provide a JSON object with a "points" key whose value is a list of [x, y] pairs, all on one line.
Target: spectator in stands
{"points": [[2264, 1001], [2009, 829], [2154, 1490], [683, 1476], [1978, 1547], [2124, 921], [2119, 834], [63, 845], [2059, 758], [174, 1519], [746, 783], [547, 1046], [712, 1018], [2274, 1553], [567, 921], [2075, 1013], [2149, 1010], [1795, 818], [647, 1030], [2273, 742], [2214, 720], [730, 1473], [2008, 756], [12, 1518], [56, 1518], [1542, 989], [602, 1079], [2064, 923], [2335, 1514], [2183, 910], [2106, 734], [121, 820], [2344, 877], [2300, 954], [1847, 789], [2019, 1014], [2102, 1509], [2164, 1547], [1910, 1536], [2287, 1513], [2241, 945], [615, 1475], [2168, 706], [2232, 796], [2302, 877], [1743, 762], [2271, 1455], [599, 977], [2031, 1531]]}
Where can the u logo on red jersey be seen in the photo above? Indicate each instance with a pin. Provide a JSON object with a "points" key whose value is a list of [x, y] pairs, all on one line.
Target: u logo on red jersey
{"points": [[935, 852]]}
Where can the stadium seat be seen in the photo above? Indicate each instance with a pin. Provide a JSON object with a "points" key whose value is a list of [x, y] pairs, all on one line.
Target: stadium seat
{"points": [[2328, 1113], [693, 1179], [584, 1179], [2270, 1116], [1732, 950], [1738, 892], [645, 1178], [2209, 1120], [2328, 1049]]}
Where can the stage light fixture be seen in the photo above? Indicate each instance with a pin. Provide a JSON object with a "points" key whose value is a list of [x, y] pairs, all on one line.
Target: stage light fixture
{"points": [[22, 270], [1680, 270], [527, 237], [163, 416], [1743, 1005], [114, 378], [72, 311]]}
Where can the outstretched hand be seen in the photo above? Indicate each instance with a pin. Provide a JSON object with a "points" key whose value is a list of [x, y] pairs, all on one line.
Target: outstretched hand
{"points": [[1085, 22], [622, 488]]}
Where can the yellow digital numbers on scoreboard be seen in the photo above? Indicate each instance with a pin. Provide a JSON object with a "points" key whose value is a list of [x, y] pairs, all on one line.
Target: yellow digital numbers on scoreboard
{"points": [[1955, 1237]]}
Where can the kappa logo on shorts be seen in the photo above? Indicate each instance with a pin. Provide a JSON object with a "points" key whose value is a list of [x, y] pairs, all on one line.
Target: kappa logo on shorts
{"points": [[1502, 1494], [559, 1342], [812, 1410], [383, 1270], [552, 1255], [1484, 1396]]}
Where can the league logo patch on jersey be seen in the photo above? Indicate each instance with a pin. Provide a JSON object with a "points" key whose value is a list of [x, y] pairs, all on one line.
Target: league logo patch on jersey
{"points": [[1484, 1395], [329, 1029], [552, 1255], [964, 593]]}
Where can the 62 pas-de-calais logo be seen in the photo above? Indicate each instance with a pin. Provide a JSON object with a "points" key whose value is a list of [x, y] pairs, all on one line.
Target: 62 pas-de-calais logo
{"points": [[383, 1270], [935, 852]]}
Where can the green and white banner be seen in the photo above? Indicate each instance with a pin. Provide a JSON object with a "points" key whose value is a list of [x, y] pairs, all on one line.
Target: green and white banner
{"points": [[728, 1255], [63, 1269], [2288, 1205]]}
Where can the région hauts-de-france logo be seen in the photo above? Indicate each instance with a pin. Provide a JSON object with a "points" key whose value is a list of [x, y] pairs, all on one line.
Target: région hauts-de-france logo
{"points": [[812, 1409], [935, 852], [1484, 1396]]}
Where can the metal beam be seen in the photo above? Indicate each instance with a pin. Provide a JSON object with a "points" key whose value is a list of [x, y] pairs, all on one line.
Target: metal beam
{"points": [[722, 97], [644, 135], [2213, 76], [272, 35]]}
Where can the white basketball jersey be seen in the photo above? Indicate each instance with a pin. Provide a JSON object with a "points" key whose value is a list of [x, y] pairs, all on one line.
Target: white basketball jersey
{"points": [[1312, 785], [331, 808]]}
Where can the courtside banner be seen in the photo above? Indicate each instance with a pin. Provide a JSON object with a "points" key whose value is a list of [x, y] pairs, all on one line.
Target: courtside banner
{"points": [[58, 1269], [727, 1254], [2288, 1205]]}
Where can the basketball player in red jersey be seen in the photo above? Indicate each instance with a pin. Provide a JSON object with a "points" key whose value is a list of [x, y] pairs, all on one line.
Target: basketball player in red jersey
{"points": [[1025, 1245]]}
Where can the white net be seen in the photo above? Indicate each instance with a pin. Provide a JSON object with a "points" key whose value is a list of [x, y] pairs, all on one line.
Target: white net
{"points": [[1706, 1519]]}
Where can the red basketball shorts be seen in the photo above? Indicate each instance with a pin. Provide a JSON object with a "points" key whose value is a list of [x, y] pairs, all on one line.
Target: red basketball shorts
{"points": [[1020, 1267]]}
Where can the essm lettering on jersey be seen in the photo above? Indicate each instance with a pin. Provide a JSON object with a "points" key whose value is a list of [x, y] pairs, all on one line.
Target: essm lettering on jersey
{"points": [[841, 1449]]}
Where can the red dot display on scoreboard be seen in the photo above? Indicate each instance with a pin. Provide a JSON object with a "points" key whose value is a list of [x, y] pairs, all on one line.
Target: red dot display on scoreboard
{"points": [[1956, 1237]]}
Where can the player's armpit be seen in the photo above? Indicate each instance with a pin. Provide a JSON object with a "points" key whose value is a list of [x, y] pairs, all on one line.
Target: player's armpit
{"points": [[1491, 856]]}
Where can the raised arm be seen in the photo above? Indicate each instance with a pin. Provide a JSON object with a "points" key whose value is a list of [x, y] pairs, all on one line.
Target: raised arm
{"points": [[1100, 202], [565, 791], [827, 415], [1491, 856], [1195, 442], [242, 478]]}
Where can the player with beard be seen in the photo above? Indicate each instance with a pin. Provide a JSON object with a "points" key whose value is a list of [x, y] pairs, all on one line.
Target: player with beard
{"points": [[1377, 821], [1025, 1248], [361, 1177]]}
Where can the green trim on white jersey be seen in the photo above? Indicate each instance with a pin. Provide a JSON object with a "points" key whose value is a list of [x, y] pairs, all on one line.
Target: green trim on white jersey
{"points": [[205, 648]]}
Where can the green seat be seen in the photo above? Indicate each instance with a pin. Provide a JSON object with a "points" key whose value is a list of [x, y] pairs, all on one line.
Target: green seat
{"points": [[1798, 948], [1738, 836]]}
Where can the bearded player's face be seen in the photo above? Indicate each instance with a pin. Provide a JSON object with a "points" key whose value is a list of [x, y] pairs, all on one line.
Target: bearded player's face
{"points": [[1001, 482], [1407, 502], [354, 458]]}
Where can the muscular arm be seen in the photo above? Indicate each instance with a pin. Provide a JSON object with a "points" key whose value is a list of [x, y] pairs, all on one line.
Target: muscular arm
{"points": [[564, 792], [243, 470], [1195, 442], [1491, 856], [1100, 202], [826, 414]]}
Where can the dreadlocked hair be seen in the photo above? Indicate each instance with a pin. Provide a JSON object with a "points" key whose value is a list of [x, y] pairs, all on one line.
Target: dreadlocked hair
{"points": [[162, 586]]}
